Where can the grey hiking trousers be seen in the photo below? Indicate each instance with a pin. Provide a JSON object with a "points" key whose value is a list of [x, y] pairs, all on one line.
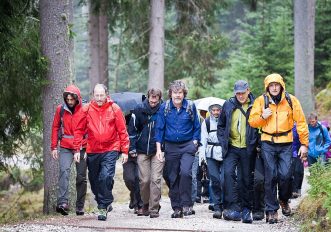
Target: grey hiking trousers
{"points": [[66, 159]]}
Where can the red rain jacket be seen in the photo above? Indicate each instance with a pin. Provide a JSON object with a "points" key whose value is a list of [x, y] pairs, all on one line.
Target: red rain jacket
{"points": [[68, 126], [106, 129]]}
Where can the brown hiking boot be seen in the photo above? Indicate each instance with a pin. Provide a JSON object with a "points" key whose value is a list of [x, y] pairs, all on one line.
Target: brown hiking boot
{"points": [[286, 209], [143, 211], [273, 217]]}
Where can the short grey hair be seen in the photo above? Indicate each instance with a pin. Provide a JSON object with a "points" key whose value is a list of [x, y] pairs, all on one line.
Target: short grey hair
{"points": [[102, 86], [312, 115], [176, 86]]}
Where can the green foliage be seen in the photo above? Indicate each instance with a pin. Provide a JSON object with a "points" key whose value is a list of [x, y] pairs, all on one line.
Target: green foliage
{"points": [[315, 210], [21, 74], [264, 45], [322, 43]]}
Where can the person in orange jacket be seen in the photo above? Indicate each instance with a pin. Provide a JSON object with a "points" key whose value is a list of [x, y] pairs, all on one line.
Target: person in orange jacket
{"points": [[107, 138], [63, 135], [275, 112]]}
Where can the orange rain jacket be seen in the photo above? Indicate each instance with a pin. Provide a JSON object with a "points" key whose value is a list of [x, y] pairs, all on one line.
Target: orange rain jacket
{"points": [[282, 118]]}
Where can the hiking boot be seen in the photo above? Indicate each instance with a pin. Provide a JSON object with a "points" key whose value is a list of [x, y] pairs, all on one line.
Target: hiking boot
{"points": [[296, 195], [231, 215], [79, 211], [63, 209], [246, 216], [140, 211], [217, 214], [273, 217], [286, 209], [211, 207], [187, 211], [177, 214], [258, 215], [154, 214], [205, 200], [102, 214]]}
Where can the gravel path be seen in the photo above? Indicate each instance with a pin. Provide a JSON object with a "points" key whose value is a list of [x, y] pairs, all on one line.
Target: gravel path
{"points": [[123, 219]]}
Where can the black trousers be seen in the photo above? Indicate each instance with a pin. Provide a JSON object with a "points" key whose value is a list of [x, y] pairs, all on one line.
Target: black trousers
{"points": [[298, 173], [178, 173], [238, 190], [131, 180], [258, 204], [277, 160]]}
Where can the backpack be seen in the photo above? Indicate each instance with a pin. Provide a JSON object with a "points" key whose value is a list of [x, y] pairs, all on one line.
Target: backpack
{"points": [[207, 121], [287, 97], [189, 108]]}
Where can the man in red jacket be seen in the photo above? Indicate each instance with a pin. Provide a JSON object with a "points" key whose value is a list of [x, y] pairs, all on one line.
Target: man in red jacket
{"points": [[63, 132], [107, 138]]}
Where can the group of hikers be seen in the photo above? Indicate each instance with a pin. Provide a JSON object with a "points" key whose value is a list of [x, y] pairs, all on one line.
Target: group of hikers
{"points": [[251, 147]]}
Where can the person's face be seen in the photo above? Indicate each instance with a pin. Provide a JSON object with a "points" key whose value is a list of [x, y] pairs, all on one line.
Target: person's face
{"points": [[242, 97], [215, 111], [203, 113], [153, 100], [274, 88], [100, 96], [177, 96], [71, 102], [313, 122]]}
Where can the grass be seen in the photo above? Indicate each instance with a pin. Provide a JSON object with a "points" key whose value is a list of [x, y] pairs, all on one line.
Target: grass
{"points": [[17, 205], [315, 210]]}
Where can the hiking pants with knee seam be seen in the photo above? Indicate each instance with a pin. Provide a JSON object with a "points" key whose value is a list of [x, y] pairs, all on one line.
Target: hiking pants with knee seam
{"points": [[101, 167], [66, 157], [277, 158]]}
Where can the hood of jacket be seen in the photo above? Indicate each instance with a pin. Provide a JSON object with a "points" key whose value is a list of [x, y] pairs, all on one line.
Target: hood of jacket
{"points": [[209, 110], [275, 77], [72, 89]]}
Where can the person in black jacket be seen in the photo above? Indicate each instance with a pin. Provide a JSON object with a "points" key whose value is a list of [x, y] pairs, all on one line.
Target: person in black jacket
{"points": [[239, 142], [142, 144]]}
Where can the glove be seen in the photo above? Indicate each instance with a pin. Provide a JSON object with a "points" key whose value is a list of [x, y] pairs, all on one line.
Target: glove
{"points": [[202, 157], [133, 153], [266, 113]]}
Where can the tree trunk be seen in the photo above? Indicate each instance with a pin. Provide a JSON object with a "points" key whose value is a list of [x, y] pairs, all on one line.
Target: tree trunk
{"points": [[55, 18], [98, 37], [156, 45], [304, 32]]}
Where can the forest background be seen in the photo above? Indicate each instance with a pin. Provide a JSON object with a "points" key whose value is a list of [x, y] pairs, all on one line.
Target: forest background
{"points": [[210, 44]]}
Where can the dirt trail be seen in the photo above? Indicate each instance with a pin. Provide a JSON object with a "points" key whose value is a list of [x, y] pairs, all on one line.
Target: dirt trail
{"points": [[123, 219]]}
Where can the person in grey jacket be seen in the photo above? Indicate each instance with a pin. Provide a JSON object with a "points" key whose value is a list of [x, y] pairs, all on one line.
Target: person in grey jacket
{"points": [[211, 152]]}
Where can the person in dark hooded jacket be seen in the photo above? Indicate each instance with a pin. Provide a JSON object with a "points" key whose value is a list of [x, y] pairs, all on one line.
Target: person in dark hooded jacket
{"points": [[143, 145], [63, 134]]}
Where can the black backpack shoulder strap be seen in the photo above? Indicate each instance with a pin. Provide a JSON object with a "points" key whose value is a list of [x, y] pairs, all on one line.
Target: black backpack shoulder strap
{"points": [[266, 101], [189, 109], [322, 132], [166, 107], [61, 130], [207, 121], [289, 100]]}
